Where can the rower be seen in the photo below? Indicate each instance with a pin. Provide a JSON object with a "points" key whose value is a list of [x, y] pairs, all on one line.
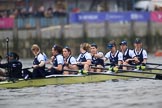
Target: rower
{"points": [[58, 60], [114, 56], [38, 63], [13, 66], [140, 53], [128, 55], [97, 58], [84, 58], [69, 60]]}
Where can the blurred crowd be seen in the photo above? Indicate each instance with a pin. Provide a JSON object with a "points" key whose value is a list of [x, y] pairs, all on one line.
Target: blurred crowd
{"points": [[58, 10]]}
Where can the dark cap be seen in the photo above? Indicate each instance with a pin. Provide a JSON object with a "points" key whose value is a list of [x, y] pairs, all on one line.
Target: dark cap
{"points": [[94, 45], [123, 42], [111, 44], [137, 40], [14, 55]]}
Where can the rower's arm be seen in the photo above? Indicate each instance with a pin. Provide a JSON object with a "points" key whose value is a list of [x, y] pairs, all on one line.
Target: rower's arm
{"points": [[59, 67], [88, 62], [42, 63], [144, 60], [4, 65]]}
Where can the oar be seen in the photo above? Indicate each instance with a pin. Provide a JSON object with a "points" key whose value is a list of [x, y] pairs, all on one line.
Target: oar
{"points": [[142, 67], [109, 74], [132, 71], [139, 67], [154, 64]]}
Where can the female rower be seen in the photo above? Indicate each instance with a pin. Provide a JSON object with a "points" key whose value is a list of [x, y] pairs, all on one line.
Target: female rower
{"points": [[38, 63], [97, 58], [58, 62], [140, 53], [115, 57], [69, 60], [128, 55], [84, 59]]}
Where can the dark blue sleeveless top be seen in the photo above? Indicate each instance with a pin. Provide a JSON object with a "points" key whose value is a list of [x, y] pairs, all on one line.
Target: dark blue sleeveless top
{"points": [[139, 56], [126, 55], [36, 62], [82, 57], [55, 63], [114, 59], [97, 61]]}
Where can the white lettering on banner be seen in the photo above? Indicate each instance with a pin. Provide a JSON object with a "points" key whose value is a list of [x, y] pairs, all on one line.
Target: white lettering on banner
{"points": [[88, 17], [136, 16], [114, 17]]}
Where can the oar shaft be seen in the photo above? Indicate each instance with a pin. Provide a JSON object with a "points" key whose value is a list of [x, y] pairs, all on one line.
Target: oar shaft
{"points": [[132, 71], [154, 64]]}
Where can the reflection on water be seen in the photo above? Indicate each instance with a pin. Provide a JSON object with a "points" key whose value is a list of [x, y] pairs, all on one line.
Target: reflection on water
{"points": [[133, 93]]}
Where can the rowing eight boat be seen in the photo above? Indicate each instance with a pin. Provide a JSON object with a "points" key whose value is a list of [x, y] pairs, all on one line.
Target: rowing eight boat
{"points": [[74, 79]]}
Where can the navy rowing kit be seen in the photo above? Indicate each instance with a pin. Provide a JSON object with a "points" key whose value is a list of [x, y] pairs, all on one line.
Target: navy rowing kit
{"points": [[128, 54], [59, 60], [118, 56], [71, 60], [83, 57], [40, 71], [141, 55], [98, 61]]}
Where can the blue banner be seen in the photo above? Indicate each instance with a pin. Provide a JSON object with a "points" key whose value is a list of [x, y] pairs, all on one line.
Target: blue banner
{"points": [[108, 16]]}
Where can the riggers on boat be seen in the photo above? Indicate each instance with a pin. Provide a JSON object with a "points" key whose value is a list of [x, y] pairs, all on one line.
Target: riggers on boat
{"points": [[90, 77]]}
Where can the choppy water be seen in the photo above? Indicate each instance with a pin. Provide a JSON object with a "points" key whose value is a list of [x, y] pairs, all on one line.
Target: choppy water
{"points": [[133, 93]]}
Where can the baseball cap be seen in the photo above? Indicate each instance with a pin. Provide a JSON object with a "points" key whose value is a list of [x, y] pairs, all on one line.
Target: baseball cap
{"points": [[13, 54], [94, 45], [137, 40], [123, 42]]}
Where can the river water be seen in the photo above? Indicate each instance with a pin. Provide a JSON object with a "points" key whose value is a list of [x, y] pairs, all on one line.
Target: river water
{"points": [[133, 93]]}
